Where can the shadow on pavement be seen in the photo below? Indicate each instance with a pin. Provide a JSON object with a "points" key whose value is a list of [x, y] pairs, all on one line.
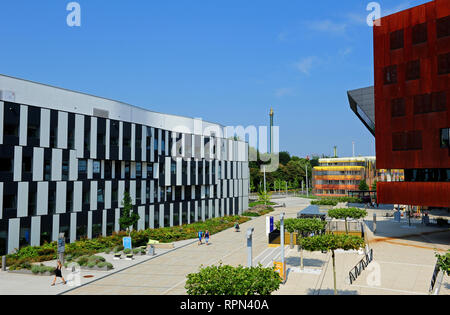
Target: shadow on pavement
{"points": [[331, 292], [307, 262]]}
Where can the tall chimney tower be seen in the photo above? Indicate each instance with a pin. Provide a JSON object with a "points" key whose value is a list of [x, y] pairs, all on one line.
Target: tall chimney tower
{"points": [[271, 131]]}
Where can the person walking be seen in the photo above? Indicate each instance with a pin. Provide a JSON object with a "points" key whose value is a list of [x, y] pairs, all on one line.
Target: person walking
{"points": [[58, 273], [200, 237], [207, 237]]}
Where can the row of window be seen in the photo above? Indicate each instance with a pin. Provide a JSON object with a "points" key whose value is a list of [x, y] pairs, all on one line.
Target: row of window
{"points": [[423, 104], [343, 173], [412, 70], [419, 33], [12, 121], [337, 182], [166, 194], [412, 140], [427, 175]]}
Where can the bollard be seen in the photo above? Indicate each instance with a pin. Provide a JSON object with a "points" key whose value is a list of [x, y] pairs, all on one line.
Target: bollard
{"points": [[3, 263], [374, 223], [151, 251]]}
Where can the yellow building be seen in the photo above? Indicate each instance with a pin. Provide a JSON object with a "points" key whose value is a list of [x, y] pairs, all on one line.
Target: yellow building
{"points": [[334, 177]]}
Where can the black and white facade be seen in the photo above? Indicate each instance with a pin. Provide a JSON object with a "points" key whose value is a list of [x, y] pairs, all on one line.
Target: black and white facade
{"points": [[66, 159]]}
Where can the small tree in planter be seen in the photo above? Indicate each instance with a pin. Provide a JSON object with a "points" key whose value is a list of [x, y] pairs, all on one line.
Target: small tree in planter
{"points": [[331, 242], [302, 227], [444, 262], [345, 213], [128, 218]]}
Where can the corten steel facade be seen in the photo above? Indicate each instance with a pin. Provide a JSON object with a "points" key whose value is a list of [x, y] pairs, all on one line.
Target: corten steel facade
{"points": [[412, 104], [335, 177], [66, 159]]}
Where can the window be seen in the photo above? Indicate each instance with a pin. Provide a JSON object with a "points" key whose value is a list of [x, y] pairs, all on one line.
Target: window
{"points": [[149, 170], [429, 103], [96, 167], [101, 139], [127, 169], [445, 138], [114, 194], [114, 133], [444, 64], [396, 39], [413, 70], [69, 200], [6, 165], [27, 164], [443, 27], [71, 139], [390, 75], [100, 195], [82, 167], [47, 169], [65, 170], [32, 197], [138, 169], [405, 141], [173, 167], [419, 34], [11, 130], [10, 201], [149, 138], [51, 202], [87, 136], [108, 173], [33, 132]]}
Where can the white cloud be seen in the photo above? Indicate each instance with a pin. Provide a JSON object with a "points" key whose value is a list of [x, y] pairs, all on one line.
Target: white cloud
{"points": [[327, 26], [345, 51], [306, 64], [283, 92]]}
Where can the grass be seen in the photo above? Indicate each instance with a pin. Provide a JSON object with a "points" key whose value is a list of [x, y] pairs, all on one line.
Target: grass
{"points": [[258, 203]]}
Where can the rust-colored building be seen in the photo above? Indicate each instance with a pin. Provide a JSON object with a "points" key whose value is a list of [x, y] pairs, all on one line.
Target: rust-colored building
{"points": [[412, 104]]}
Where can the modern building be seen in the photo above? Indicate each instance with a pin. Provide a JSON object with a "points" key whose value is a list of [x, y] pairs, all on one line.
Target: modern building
{"points": [[335, 177], [409, 112], [412, 104], [67, 158]]}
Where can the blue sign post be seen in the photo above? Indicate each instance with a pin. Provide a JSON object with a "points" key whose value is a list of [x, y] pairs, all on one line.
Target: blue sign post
{"points": [[271, 225], [127, 243]]}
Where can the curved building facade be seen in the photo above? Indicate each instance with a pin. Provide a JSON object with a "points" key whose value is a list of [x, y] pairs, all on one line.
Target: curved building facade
{"points": [[66, 159]]}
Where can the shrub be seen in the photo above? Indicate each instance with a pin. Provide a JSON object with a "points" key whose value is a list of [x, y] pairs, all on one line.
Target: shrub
{"points": [[324, 202], [105, 264], [91, 264], [251, 214], [127, 251], [228, 280]]}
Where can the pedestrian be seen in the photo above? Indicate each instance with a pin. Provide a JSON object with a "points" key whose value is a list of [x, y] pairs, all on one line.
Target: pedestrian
{"points": [[58, 273], [200, 237], [207, 237]]}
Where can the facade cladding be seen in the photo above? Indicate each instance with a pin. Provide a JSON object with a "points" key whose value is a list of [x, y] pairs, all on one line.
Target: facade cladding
{"points": [[412, 104], [335, 177], [67, 158]]}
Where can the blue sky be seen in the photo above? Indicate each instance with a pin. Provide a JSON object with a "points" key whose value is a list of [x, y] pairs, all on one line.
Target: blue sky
{"points": [[226, 61]]}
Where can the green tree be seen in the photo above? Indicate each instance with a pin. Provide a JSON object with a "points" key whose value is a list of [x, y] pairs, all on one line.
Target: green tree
{"points": [[228, 280], [264, 196], [374, 185], [444, 262], [128, 218], [303, 227], [346, 213], [363, 186], [331, 242], [284, 157]]}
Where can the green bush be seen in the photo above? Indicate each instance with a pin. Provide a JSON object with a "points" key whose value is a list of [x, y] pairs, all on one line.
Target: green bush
{"points": [[91, 264], [251, 214], [127, 251], [105, 264], [324, 202], [85, 247], [228, 280]]}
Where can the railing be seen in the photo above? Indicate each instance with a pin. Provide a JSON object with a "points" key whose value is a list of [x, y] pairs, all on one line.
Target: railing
{"points": [[360, 267]]}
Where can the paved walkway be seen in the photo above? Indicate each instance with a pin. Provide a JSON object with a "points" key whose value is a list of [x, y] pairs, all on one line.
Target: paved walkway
{"points": [[403, 263], [167, 274]]}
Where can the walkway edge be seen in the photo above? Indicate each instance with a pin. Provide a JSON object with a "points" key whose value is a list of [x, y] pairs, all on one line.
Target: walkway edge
{"points": [[117, 271]]}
